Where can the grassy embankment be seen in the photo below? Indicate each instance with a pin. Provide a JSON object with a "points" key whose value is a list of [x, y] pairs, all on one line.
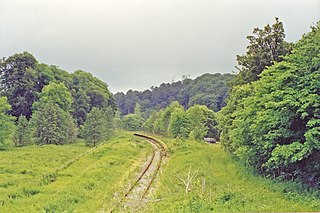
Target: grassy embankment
{"points": [[222, 184], [68, 178]]}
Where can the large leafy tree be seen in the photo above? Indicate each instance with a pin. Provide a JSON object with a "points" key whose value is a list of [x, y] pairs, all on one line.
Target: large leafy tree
{"points": [[132, 122], [89, 92], [266, 46], [275, 127], [178, 125], [19, 82], [56, 93], [164, 120], [202, 122]]}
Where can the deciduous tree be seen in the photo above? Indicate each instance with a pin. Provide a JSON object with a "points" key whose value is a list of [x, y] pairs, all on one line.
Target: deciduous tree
{"points": [[6, 121], [266, 46], [23, 133]]}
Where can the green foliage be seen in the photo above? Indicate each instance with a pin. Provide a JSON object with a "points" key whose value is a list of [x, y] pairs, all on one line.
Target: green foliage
{"points": [[274, 123], [98, 126], [132, 122], [178, 124], [23, 133], [117, 120], [89, 92], [57, 94], [164, 120], [22, 80], [152, 124], [267, 46], [208, 89], [52, 125], [6, 121], [51, 118], [196, 123], [19, 82], [137, 109]]}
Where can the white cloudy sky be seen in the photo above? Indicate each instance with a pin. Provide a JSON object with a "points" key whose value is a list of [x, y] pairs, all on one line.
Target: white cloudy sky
{"points": [[134, 44]]}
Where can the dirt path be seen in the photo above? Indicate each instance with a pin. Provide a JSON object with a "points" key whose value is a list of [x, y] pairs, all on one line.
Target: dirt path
{"points": [[139, 192]]}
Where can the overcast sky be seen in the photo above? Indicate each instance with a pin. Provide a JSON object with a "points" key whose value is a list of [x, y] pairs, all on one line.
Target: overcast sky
{"points": [[134, 44]]}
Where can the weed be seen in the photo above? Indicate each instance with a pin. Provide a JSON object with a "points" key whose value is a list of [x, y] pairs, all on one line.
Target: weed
{"points": [[30, 192]]}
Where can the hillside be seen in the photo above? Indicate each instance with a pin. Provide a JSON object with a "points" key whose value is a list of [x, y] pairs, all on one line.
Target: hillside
{"points": [[208, 89]]}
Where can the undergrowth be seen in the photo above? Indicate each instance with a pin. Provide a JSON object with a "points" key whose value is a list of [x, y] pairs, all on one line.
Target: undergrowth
{"points": [[222, 184]]}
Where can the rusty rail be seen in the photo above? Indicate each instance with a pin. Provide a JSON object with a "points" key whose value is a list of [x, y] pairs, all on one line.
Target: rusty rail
{"points": [[163, 152]]}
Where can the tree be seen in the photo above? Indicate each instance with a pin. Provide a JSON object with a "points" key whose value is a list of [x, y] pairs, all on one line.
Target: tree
{"points": [[197, 122], [98, 126], [52, 125], [56, 93], [178, 125], [208, 89], [89, 92], [153, 123], [137, 109], [80, 106], [164, 120], [19, 83], [52, 121], [273, 124], [117, 120], [267, 46], [132, 122], [23, 133], [6, 121]]}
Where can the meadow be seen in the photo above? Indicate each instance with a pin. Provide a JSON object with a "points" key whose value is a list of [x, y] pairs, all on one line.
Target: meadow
{"points": [[196, 177], [69, 178], [222, 184]]}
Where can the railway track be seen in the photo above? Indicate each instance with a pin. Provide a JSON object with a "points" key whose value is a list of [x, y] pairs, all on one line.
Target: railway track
{"points": [[136, 195]]}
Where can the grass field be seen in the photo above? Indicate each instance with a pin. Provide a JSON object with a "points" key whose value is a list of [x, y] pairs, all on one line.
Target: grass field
{"points": [[76, 178], [68, 178], [222, 184]]}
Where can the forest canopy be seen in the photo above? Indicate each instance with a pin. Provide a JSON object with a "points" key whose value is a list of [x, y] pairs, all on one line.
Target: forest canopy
{"points": [[208, 89]]}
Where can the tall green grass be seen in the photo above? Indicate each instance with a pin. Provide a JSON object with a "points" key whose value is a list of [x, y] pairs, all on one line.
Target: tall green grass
{"points": [[68, 178], [76, 178], [222, 184]]}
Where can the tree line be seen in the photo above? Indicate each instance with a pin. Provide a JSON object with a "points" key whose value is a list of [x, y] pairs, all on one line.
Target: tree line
{"points": [[195, 123], [208, 89], [42, 104], [272, 118]]}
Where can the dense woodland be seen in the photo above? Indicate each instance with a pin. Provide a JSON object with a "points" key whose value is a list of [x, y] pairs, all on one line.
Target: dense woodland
{"points": [[209, 90], [272, 117], [268, 116], [43, 104]]}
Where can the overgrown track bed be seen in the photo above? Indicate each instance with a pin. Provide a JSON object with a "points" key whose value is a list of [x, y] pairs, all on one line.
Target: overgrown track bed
{"points": [[137, 193]]}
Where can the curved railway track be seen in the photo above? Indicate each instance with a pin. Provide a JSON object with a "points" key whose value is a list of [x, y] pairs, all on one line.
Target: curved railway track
{"points": [[138, 191]]}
